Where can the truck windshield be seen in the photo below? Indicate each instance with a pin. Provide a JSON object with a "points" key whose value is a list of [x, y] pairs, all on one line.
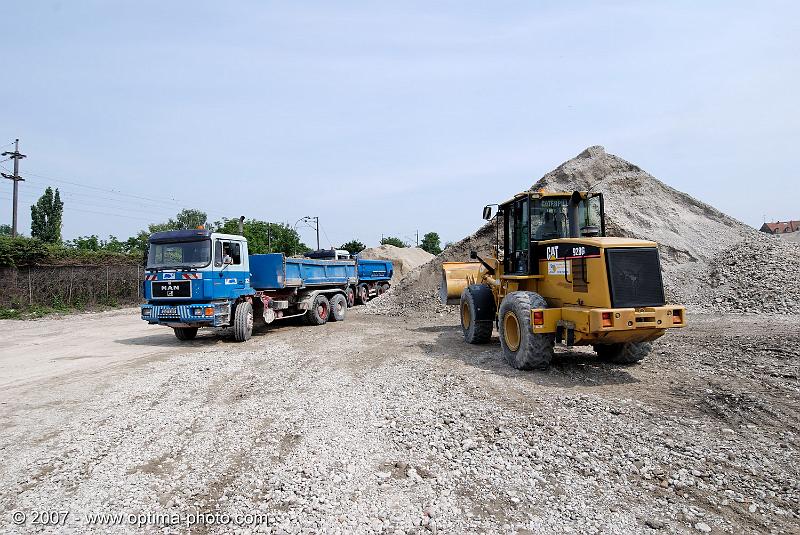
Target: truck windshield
{"points": [[550, 218], [191, 254]]}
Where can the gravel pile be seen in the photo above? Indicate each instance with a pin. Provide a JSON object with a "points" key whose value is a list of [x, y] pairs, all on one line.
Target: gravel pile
{"points": [[404, 259], [760, 274], [698, 244]]}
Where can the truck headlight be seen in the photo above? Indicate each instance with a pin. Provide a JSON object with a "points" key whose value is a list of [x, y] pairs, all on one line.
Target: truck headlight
{"points": [[197, 312], [146, 311]]}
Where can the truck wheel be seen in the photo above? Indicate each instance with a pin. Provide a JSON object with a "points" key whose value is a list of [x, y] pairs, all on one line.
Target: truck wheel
{"points": [[185, 333], [338, 307], [523, 349], [477, 313], [319, 311], [351, 296], [362, 296], [385, 287], [243, 321], [625, 353]]}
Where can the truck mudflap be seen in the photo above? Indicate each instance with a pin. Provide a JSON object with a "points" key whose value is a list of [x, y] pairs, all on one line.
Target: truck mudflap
{"points": [[609, 324]]}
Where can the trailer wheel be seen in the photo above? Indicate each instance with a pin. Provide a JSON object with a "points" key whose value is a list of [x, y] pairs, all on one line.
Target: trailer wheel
{"points": [[185, 333], [378, 290], [626, 353], [243, 321], [385, 287], [338, 307], [477, 313], [351, 296], [523, 349], [319, 312], [362, 296]]}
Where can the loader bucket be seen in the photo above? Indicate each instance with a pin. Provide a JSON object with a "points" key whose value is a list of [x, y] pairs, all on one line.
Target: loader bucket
{"points": [[455, 277]]}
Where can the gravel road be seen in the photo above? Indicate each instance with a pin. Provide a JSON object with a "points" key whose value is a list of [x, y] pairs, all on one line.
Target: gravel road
{"points": [[394, 425]]}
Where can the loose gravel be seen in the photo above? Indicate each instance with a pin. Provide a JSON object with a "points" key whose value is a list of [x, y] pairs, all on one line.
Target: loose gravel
{"points": [[410, 430]]}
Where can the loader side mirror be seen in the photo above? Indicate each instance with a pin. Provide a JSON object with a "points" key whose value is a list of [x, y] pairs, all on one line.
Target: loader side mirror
{"points": [[488, 211]]}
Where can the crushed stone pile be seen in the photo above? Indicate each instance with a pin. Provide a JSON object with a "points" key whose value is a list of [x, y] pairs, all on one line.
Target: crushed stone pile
{"points": [[405, 259], [711, 261], [759, 275]]}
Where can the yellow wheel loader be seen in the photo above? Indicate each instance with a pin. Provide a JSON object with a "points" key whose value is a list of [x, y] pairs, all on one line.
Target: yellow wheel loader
{"points": [[557, 278]]}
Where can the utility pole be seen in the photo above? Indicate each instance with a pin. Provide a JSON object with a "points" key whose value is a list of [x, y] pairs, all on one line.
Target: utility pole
{"points": [[307, 219], [418, 238], [16, 156]]}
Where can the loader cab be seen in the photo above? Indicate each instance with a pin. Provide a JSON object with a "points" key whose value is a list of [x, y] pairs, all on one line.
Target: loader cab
{"points": [[530, 218]]}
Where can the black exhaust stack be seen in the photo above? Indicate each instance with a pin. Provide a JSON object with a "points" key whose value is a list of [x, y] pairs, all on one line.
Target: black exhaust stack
{"points": [[572, 212]]}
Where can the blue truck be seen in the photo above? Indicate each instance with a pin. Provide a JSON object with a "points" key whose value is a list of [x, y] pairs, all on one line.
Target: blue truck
{"points": [[198, 278]]}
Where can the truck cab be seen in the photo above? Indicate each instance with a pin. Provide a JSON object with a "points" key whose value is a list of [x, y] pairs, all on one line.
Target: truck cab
{"points": [[193, 277]]}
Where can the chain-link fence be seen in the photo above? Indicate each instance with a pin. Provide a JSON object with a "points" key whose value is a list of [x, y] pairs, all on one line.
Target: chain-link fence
{"points": [[71, 286]]}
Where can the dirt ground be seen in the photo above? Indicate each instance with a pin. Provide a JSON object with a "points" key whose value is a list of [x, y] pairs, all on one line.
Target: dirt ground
{"points": [[395, 425]]}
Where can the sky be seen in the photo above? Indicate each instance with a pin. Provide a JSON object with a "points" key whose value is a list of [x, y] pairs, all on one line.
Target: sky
{"points": [[388, 118]]}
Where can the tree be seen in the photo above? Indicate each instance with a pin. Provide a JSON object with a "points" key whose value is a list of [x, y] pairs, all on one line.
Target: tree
{"points": [[353, 246], [5, 230], [282, 238], [46, 216], [390, 240], [189, 219], [431, 243]]}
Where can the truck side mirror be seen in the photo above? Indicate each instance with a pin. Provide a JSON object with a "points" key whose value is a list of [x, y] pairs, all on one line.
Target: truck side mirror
{"points": [[488, 212]]}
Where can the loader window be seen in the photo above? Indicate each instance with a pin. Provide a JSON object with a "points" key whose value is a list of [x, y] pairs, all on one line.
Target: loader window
{"points": [[517, 236], [550, 218]]}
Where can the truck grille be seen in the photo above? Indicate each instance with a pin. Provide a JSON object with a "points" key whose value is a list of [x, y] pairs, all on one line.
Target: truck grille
{"points": [[634, 276]]}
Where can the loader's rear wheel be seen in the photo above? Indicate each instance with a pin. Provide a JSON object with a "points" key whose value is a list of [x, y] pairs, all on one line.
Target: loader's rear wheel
{"points": [[338, 307], [477, 313], [522, 348], [243, 321], [627, 353], [185, 333]]}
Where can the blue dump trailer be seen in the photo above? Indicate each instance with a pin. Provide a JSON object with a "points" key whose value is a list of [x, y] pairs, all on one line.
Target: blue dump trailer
{"points": [[199, 278]]}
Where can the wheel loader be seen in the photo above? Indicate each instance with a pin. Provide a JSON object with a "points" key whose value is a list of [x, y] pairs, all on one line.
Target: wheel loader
{"points": [[556, 277]]}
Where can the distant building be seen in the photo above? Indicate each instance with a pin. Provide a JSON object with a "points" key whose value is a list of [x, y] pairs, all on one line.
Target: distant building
{"points": [[780, 227]]}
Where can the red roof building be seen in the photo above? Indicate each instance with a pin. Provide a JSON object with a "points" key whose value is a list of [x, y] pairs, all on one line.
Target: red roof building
{"points": [[780, 227]]}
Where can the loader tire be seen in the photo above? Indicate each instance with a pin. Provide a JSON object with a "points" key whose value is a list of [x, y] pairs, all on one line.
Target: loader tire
{"points": [[338, 305], [362, 294], [523, 349], [320, 311], [243, 321], [350, 295], [185, 333], [626, 353], [477, 313]]}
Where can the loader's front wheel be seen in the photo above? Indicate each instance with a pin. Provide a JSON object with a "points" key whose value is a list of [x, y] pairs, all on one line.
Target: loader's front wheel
{"points": [[522, 348], [626, 353], [477, 313]]}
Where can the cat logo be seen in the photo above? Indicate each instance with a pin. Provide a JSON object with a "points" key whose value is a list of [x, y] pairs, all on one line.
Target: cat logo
{"points": [[552, 252]]}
